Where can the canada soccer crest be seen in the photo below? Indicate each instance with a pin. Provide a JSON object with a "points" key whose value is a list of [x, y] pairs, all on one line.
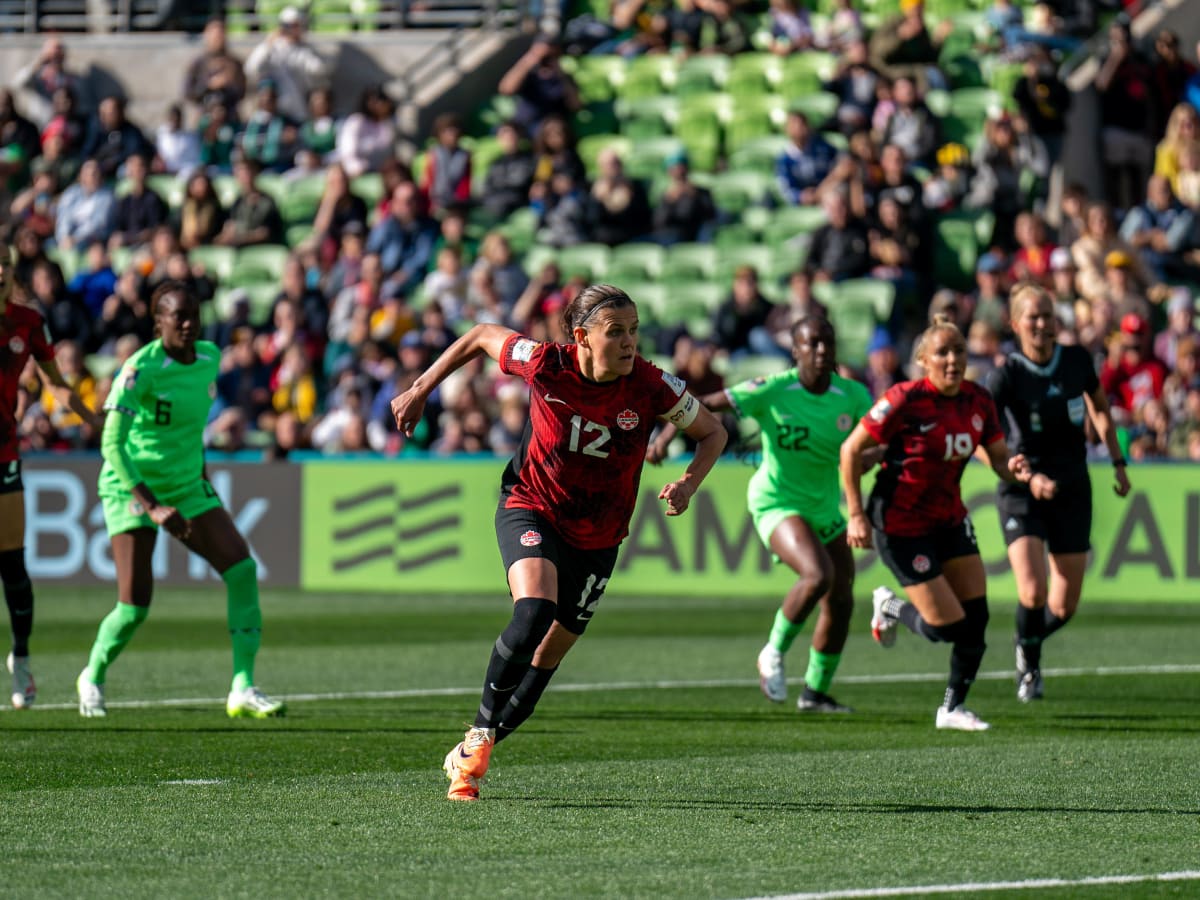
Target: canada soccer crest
{"points": [[531, 538], [920, 563], [627, 420], [15, 344], [977, 422]]}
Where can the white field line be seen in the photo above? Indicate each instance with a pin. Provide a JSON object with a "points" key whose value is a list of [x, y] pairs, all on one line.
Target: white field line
{"points": [[906, 678], [977, 886]]}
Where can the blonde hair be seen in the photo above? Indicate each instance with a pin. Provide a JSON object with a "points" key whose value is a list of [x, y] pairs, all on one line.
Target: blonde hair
{"points": [[1022, 294], [939, 323], [1173, 139]]}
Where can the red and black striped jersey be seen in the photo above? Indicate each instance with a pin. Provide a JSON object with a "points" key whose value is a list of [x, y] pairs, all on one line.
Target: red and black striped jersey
{"points": [[22, 334], [929, 438], [580, 462]]}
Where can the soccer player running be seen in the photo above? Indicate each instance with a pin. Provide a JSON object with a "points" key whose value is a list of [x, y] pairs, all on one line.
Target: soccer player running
{"points": [[568, 494], [22, 335], [154, 477], [805, 413], [1044, 393], [931, 428]]}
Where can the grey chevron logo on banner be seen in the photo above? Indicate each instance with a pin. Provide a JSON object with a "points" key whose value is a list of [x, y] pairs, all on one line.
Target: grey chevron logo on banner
{"points": [[413, 529]]}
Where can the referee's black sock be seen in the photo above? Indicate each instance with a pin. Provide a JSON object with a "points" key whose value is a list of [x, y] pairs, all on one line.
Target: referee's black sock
{"points": [[1030, 634], [523, 700], [1051, 623], [18, 594], [967, 653], [511, 655]]}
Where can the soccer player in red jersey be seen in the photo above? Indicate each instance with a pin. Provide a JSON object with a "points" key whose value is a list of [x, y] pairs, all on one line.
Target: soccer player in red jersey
{"points": [[22, 335], [930, 429], [568, 494]]}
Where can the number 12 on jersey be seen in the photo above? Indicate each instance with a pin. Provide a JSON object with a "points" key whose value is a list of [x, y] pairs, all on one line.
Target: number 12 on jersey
{"points": [[958, 446], [592, 448]]}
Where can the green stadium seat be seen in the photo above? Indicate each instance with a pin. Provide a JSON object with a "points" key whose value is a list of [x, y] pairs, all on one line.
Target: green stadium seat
{"points": [[754, 73], [647, 157], [819, 107], [745, 368], [169, 187], [733, 192], [703, 73], [636, 262], [589, 148], [735, 235], [298, 234], [274, 186], [689, 302], [650, 296], [801, 67], [302, 198], [718, 103], [648, 116], [499, 108], [119, 258], [689, 262], [758, 154], [100, 365], [536, 258], [747, 125], [596, 117], [657, 67], [260, 263], [596, 76], [700, 131], [790, 221], [520, 228], [854, 308], [227, 190], [330, 16], [217, 261], [369, 186], [589, 260], [955, 252]]}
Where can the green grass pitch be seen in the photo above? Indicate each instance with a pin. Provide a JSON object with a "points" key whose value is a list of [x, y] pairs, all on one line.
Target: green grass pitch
{"points": [[678, 780]]}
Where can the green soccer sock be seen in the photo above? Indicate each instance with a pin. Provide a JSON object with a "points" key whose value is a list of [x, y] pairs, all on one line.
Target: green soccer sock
{"points": [[783, 632], [115, 632], [245, 619], [821, 669]]}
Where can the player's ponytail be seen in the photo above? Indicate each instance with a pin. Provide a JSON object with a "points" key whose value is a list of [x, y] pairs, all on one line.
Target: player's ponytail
{"points": [[590, 301]]}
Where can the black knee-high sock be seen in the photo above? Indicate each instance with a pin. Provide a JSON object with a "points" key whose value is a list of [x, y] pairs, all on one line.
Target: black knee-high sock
{"points": [[938, 634], [18, 594], [967, 653], [1031, 632], [1051, 623], [511, 654], [523, 700]]}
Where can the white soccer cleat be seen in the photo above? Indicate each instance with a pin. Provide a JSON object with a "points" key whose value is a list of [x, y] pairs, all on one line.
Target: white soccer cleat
{"points": [[1030, 686], [771, 677], [960, 719], [252, 703], [24, 690], [91, 697], [883, 626]]}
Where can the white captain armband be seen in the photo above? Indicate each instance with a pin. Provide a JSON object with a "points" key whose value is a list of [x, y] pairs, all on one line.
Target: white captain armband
{"points": [[683, 413]]}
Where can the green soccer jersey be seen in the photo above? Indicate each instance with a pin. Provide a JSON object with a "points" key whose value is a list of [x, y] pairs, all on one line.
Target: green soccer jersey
{"points": [[802, 436], [168, 403]]}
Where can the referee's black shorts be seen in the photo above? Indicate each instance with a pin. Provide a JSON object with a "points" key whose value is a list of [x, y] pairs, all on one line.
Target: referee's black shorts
{"points": [[1064, 523]]}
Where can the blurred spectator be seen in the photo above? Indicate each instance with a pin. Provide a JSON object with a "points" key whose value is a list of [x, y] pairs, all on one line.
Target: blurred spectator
{"points": [[67, 122], [1183, 134], [345, 269], [1089, 252], [554, 152], [506, 184], [911, 126], [125, 312], [292, 64], [805, 162], [19, 140], [201, 217], [1004, 161], [68, 356], [562, 211], [362, 293], [685, 211], [540, 85], [178, 148], [216, 133], [1161, 229], [95, 280], [1171, 74], [617, 209], [140, 210], [903, 47], [452, 232], [950, 183], [1062, 281], [1191, 90], [1043, 101], [343, 429], [798, 304], [483, 300], [1121, 290], [66, 316], [113, 138], [254, 218], [984, 353], [990, 300], [31, 250], [446, 180], [55, 161], [1072, 214], [294, 388], [245, 381], [893, 246], [508, 276], [1148, 438], [506, 433], [901, 185], [404, 240], [791, 29], [36, 207], [1031, 262], [739, 324], [339, 207], [294, 289], [269, 137], [883, 363], [1126, 116], [216, 72], [541, 298], [318, 131], [854, 82], [46, 74], [1188, 178], [1181, 326], [844, 28], [86, 210], [446, 285], [839, 248], [367, 139], [1131, 375]]}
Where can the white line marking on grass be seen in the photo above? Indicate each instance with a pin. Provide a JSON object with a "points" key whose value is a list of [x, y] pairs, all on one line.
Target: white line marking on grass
{"points": [[193, 782], [912, 677], [971, 887]]}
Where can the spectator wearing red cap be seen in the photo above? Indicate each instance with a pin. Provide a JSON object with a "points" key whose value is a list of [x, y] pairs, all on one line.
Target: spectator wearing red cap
{"points": [[1131, 375]]}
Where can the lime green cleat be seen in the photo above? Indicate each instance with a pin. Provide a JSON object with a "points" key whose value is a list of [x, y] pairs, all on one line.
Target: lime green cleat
{"points": [[252, 703]]}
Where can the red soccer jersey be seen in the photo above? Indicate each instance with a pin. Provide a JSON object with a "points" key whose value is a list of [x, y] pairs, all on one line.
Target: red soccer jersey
{"points": [[929, 438], [581, 460], [22, 333]]}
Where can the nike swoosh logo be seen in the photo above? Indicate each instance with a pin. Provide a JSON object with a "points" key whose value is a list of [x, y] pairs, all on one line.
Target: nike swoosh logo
{"points": [[929, 427], [9, 479], [552, 399], [463, 754]]}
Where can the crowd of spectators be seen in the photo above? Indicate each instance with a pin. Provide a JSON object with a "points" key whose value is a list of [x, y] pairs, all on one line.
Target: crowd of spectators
{"points": [[377, 288]]}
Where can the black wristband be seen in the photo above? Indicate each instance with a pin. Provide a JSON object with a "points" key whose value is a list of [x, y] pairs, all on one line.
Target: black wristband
{"points": [[1120, 462]]}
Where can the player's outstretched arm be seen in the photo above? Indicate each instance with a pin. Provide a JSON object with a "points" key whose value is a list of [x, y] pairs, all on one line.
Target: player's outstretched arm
{"points": [[709, 434], [410, 406], [856, 449]]}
